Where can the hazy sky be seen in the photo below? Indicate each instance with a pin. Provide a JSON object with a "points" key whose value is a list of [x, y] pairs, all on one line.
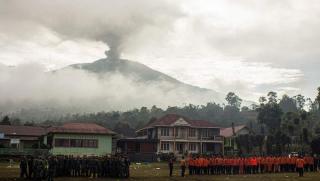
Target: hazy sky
{"points": [[246, 46]]}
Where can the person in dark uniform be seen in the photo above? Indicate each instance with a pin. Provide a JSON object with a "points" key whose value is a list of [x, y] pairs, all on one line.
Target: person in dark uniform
{"points": [[30, 167], [170, 164], [23, 167], [84, 166], [52, 165], [92, 164], [77, 166], [127, 167]]}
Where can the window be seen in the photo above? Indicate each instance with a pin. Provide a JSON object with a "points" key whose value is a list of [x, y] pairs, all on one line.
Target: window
{"points": [[164, 131], [192, 147], [81, 143], [75, 143], [165, 146], [192, 132], [204, 133], [176, 132], [61, 142], [90, 143]]}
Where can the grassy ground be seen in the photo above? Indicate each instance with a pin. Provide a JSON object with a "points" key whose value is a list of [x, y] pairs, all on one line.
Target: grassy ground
{"points": [[159, 171]]}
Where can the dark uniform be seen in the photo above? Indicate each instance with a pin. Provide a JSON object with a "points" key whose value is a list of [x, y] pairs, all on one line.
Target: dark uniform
{"points": [[30, 168], [23, 168], [170, 164], [52, 165]]}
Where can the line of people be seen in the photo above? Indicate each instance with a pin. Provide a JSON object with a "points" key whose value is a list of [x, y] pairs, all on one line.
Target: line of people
{"points": [[217, 165], [41, 168]]}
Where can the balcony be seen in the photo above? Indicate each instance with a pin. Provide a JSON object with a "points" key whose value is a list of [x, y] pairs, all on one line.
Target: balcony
{"points": [[25, 151], [213, 138]]}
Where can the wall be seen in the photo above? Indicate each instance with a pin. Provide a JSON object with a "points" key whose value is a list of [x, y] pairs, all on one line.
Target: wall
{"points": [[104, 145]]}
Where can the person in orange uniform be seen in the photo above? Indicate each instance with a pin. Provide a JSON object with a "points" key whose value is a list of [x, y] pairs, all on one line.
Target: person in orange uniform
{"points": [[300, 166], [241, 166]]}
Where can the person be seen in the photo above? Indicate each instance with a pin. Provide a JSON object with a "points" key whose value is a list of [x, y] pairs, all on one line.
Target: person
{"points": [[30, 167], [170, 164], [23, 168], [183, 166], [300, 166], [52, 164], [127, 167]]}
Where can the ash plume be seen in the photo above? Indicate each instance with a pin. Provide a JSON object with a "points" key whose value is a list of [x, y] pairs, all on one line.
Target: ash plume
{"points": [[110, 21]]}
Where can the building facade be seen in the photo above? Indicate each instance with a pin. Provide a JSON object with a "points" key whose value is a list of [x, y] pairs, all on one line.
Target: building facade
{"points": [[79, 139], [21, 140], [180, 135], [230, 134]]}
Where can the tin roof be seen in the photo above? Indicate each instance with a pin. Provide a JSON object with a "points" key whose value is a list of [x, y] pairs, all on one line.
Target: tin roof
{"points": [[227, 132], [80, 128], [22, 130], [170, 119]]}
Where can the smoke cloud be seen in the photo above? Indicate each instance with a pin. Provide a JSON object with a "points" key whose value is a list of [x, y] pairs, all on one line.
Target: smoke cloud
{"points": [[110, 21]]}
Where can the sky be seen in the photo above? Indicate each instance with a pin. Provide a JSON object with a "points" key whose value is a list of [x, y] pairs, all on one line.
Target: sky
{"points": [[246, 46]]}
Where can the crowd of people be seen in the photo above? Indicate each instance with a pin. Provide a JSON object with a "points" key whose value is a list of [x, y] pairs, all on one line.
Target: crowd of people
{"points": [[217, 165], [40, 168]]}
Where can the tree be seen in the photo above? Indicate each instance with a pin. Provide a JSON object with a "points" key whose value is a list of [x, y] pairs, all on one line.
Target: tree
{"points": [[288, 104], [272, 97], [233, 100], [315, 145], [300, 101], [262, 100], [270, 115], [5, 121], [124, 129], [318, 98]]}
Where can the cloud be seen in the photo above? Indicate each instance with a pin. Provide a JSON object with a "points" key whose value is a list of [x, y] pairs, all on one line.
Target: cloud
{"points": [[244, 46], [109, 21], [28, 86]]}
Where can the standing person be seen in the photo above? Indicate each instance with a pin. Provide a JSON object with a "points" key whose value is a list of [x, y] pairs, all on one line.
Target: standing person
{"points": [[52, 165], [30, 167], [300, 166], [170, 164], [127, 167], [183, 166], [23, 167]]}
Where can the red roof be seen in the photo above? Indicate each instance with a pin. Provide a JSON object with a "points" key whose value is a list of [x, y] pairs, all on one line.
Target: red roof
{"points": [[22, 130], [227, 132], [81, 128], [169, 119]]}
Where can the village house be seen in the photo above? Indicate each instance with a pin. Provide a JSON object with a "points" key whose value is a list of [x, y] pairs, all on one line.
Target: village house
{"points": [[79, 139], [230, 134], [21, 140], [179, 135]]}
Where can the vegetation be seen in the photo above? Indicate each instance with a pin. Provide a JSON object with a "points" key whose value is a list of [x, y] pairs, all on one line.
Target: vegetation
{"points": [[278, 125]]}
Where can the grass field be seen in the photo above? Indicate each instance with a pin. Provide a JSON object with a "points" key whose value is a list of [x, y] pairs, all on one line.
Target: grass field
{"points": [[159, 171]]}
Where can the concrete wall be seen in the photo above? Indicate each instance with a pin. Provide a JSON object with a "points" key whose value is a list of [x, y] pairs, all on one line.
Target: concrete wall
{"points": [[104, 145]]}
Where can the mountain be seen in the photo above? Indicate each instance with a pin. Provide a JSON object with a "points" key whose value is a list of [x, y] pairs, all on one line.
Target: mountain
{"points": [[144, 74]]}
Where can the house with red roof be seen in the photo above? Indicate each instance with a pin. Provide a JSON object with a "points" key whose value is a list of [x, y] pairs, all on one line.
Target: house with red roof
{"points": [[21, 140], [79, 139], [180, 135], [230, 134]]}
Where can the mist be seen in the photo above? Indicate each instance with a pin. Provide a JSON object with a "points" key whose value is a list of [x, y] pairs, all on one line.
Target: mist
{"points": [[29, 86]]}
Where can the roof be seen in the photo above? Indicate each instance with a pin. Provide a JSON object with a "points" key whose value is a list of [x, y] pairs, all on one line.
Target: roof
{"points": [[227, 132], [22, 130], [169, 119], [80, 128]]}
